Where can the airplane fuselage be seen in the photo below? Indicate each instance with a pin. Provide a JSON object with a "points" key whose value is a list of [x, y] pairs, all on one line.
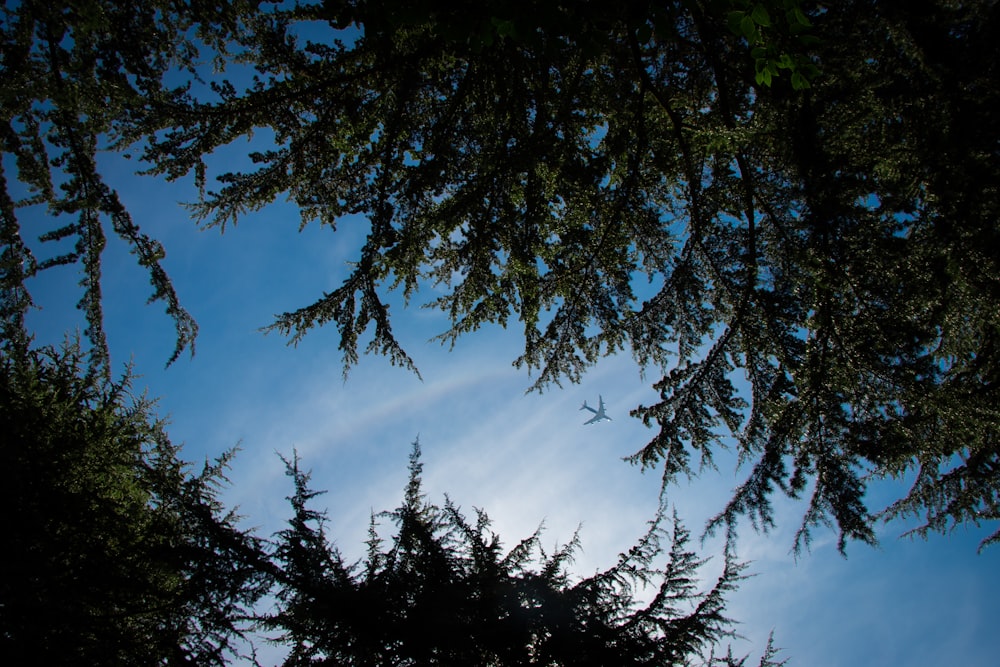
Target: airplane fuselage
{"points": [[599, 414]]}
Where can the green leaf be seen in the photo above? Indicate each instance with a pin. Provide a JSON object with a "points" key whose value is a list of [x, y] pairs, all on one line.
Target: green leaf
{"points": [[799, 82], [760, 16], [504, 27], [809, 70], [764, 76], [734, 20]]}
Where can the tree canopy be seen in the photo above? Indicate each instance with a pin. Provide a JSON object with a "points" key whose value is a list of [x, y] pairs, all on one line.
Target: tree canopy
{"points": [[114, 551], [443, 591], [795, 197], [73, 75]]}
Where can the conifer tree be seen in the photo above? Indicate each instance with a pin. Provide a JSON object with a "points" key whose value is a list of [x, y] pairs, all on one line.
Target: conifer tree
{"points": [[115, 552], [795, 197], [74, 75], [442, 590]]}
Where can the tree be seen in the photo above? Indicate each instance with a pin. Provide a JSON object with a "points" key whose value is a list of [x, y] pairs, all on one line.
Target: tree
{"points": [[73, 74], [830, 246], [643, 177], [114, 552], [443, 592]]}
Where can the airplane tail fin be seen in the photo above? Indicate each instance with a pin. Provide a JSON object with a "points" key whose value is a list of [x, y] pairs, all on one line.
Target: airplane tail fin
{"points": [[585, 406]]}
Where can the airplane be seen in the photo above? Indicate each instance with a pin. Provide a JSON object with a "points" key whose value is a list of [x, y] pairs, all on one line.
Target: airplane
{"points": [[599, 414]]}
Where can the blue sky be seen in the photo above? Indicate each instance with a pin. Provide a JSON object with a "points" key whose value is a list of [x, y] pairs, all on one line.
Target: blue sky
{"points": [[525, 458]]}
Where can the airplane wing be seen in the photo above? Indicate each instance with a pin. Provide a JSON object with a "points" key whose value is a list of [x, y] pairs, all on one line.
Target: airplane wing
{"points": [[599, 414]]}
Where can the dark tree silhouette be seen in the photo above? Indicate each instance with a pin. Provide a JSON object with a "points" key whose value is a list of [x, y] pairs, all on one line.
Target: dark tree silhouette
{"points": [[73, 75], [443, 591], [796, 196], [114, 552]]}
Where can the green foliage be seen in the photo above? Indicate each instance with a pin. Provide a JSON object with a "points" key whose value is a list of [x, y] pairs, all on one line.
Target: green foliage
{"points": [[767, 39], [114, 552], [612, 176], [117, 554], [825, 245], [73, 74], [443, 591]]}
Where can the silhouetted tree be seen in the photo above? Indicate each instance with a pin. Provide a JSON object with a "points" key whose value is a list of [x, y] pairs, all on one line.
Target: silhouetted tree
{"points": [[114, 553], [443, 591], [835, 247], [828, 239], [73, 74]]}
